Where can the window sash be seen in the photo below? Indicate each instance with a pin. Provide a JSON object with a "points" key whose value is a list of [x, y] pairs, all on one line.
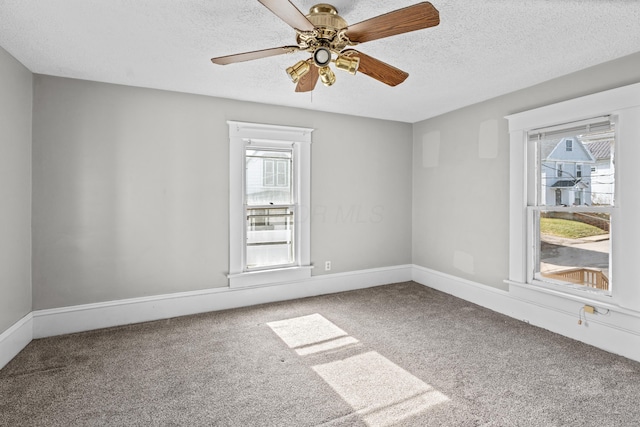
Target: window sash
{"points": [[534, 249], [537, 169], [277, 166], [596, 124], [272, 167], [270, 236], [534, 194]]}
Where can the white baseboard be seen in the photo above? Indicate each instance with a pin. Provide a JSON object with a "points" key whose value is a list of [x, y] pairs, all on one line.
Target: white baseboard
{"points": [[617, 332], [14, 339], [87, 317]]}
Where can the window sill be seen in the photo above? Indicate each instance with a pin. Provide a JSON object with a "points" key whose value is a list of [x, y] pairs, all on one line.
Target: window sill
{"points": [[580, 296], [269, 277]]}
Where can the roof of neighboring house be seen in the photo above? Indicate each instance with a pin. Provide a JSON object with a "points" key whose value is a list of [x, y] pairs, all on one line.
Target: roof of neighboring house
{"points": [[565, 183], [577, 153], [600, 149], [548, 147]]}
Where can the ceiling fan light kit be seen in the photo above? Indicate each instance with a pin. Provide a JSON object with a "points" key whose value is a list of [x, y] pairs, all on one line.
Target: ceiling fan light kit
{"points": [[327, 76], [322, 56], [348, 64], [325, 34], [298, 70]]}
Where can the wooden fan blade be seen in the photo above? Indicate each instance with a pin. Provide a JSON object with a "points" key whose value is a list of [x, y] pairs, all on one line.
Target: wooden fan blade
{"points": [[308, 82], [377, 69], [416, 17], [290, 14], [257, 54]]}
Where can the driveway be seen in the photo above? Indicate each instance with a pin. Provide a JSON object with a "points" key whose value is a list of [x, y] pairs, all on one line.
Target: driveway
{"points": [[559, 253]]}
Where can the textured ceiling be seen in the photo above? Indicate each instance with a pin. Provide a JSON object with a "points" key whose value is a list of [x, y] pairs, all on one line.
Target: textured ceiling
{"points": [[481, 49]]}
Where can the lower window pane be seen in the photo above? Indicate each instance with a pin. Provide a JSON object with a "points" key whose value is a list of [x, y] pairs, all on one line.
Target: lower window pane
{"points": [[574, 249], [270, 237]]}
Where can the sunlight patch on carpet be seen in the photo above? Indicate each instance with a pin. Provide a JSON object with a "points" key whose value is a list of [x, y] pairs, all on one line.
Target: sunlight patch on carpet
{"points": [[311, 334], [380, 391]]}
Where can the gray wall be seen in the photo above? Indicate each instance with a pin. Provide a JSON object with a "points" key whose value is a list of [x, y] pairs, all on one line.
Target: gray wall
{"points": [[131, 190], [461, 182], [15, 190]]}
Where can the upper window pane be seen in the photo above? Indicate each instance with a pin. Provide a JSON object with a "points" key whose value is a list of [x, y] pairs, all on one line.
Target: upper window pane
{"points": [[576, 170], [267, 177]]}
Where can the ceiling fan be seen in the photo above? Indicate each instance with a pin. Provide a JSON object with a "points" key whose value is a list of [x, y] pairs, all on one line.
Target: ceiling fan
{"points": [[325, 34]]}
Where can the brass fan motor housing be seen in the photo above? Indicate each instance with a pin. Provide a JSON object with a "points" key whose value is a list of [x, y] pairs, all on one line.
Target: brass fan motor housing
{"points": [[324, 15], [329, 30], [323, 8]]}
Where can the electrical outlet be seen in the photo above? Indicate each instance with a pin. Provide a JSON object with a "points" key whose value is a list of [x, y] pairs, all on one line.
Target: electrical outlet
{"points": [[327, 265]]}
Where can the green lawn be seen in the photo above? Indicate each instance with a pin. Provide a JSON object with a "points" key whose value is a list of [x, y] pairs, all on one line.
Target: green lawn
{"points": [[569, 229]]}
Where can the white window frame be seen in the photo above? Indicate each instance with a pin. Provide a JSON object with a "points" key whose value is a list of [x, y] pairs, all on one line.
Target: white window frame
{"points": [[624, 104], [241, 135]]}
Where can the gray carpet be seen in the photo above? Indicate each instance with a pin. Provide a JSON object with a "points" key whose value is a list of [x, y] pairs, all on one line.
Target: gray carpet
{"points": [[400, 355]]}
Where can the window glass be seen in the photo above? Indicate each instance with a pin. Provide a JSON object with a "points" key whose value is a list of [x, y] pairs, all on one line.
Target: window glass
{"points": [[270, 237], [571, 219], [574, 248], [267, 177], [602, 177], [583, 176], [269, 212]]}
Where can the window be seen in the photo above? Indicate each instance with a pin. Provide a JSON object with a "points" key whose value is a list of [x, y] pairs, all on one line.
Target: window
{"points": [[269, 195], [570, 231], [269, 208], [569, 145], [605, 134]]}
